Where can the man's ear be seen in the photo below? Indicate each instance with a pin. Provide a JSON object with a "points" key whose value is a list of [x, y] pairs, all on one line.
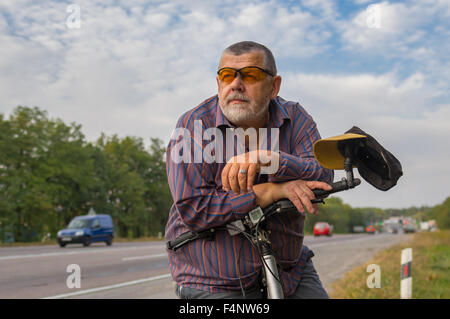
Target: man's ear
{"points": [[276, 84]]}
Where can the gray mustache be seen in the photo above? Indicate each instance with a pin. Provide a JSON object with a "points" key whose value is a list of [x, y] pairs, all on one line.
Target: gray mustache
{"points": [[238, 96]]}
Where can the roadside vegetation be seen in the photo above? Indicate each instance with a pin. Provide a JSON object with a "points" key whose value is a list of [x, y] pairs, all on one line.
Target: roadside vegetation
{"points": [[53, 242], [50, 173], [430, 271]]}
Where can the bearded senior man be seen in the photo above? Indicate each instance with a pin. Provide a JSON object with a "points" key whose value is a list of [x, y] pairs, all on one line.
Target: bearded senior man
{"points": [[208, 194]]}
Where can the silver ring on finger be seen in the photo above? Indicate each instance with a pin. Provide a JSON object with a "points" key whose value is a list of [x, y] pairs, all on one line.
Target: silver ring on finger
{"points": [[242, 171]]}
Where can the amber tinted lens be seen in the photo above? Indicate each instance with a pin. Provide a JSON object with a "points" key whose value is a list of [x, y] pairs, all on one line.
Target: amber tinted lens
{"points": [[252, 75], [227, 75]]}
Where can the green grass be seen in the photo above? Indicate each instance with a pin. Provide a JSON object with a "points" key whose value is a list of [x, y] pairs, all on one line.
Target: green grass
{"points": [[430, 271]]}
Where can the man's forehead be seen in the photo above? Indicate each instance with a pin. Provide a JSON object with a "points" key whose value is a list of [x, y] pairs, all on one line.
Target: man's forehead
{"points": [[255, 58]]}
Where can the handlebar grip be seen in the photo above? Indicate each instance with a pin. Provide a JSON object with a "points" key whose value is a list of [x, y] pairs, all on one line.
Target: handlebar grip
{"points": [[285, 204], [336, 187]]}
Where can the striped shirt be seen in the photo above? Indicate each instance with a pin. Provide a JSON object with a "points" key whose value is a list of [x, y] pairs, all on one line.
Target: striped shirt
{"points": [[200, 202]]}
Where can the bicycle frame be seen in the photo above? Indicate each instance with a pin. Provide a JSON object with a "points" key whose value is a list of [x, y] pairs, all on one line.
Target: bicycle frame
{"points": [[261, 241], [249, 225], [259, 238]]}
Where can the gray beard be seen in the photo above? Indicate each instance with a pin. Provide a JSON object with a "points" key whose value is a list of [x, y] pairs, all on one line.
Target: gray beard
{"points": [[242, 113]]}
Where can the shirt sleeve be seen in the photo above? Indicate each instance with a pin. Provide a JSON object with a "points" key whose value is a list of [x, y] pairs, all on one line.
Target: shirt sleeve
{"points": [[200, 203], [301, 163]]}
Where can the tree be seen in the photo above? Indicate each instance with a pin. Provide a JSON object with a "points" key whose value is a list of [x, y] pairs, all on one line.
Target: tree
{"points": [[67, 165], [23, 198], [138, 194], [158, 193], [441, 213], [47, 173]]}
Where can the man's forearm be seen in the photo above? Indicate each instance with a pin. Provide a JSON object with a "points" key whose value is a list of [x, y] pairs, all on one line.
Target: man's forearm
{"points": [[293, 167], [266, 194]]}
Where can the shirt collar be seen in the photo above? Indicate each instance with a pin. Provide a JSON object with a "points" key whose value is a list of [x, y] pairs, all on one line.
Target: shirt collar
{"points": [[221, 120], [277, 114]]}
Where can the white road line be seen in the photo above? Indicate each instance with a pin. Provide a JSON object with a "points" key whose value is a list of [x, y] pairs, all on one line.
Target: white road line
{"points": [[93, 251], [129, 283], [342, 241], [144, 257]]}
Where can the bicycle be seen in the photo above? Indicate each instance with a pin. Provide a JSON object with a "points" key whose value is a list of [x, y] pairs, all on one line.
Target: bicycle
{"points": [[354, 148], [249, 225]]}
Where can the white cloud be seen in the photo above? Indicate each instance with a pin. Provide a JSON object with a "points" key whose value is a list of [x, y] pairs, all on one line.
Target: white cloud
{"points": [[134, 69], [157, 60], [393, 108], [400, 26], [362, 1], [327, 8], [361, 95], [396, 113]]}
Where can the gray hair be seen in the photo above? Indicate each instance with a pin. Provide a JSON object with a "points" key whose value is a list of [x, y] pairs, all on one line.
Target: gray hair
{"points": [[250, 46]]}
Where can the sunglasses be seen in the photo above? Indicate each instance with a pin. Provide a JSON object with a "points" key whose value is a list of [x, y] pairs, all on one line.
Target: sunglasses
{"points": [[249, 74]]}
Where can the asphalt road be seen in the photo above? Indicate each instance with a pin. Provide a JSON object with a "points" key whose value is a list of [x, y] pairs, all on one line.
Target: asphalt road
{"points": [[140, 270]]}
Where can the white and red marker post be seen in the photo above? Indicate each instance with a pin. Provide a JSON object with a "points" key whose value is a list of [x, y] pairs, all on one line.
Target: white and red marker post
{"points": [[406, 279]]}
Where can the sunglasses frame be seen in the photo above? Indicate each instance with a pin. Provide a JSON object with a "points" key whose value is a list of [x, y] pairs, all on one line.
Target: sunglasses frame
{"points": [[238, 71]]}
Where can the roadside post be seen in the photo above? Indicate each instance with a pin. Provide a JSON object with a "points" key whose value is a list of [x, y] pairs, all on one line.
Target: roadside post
{"points": [[406, 275]]}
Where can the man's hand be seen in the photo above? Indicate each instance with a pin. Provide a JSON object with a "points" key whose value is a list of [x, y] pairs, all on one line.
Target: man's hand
{"points": [[240, 171], [300, 193]]}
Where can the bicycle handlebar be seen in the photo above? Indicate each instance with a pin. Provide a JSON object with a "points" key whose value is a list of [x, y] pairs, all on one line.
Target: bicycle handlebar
{"points": [[286, 204], [257, 215], [336, 187]]}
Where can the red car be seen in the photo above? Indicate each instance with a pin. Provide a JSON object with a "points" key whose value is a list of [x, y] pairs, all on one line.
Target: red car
{"points": [[323, 228], [370, 229]]}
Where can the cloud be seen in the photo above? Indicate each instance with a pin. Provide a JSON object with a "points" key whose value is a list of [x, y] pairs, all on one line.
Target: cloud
{"points": [[362, 93], [412, 31], [362, 1], [326, 8], [396, 112], [146, 64], [398, 22], [134, 68]]}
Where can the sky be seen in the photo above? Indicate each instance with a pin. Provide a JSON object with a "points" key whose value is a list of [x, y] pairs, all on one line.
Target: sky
{"points": [[132, 67]]}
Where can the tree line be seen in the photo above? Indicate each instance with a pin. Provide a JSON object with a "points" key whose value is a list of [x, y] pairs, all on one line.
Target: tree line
{"points": [[49, 174], [344, 217]]}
